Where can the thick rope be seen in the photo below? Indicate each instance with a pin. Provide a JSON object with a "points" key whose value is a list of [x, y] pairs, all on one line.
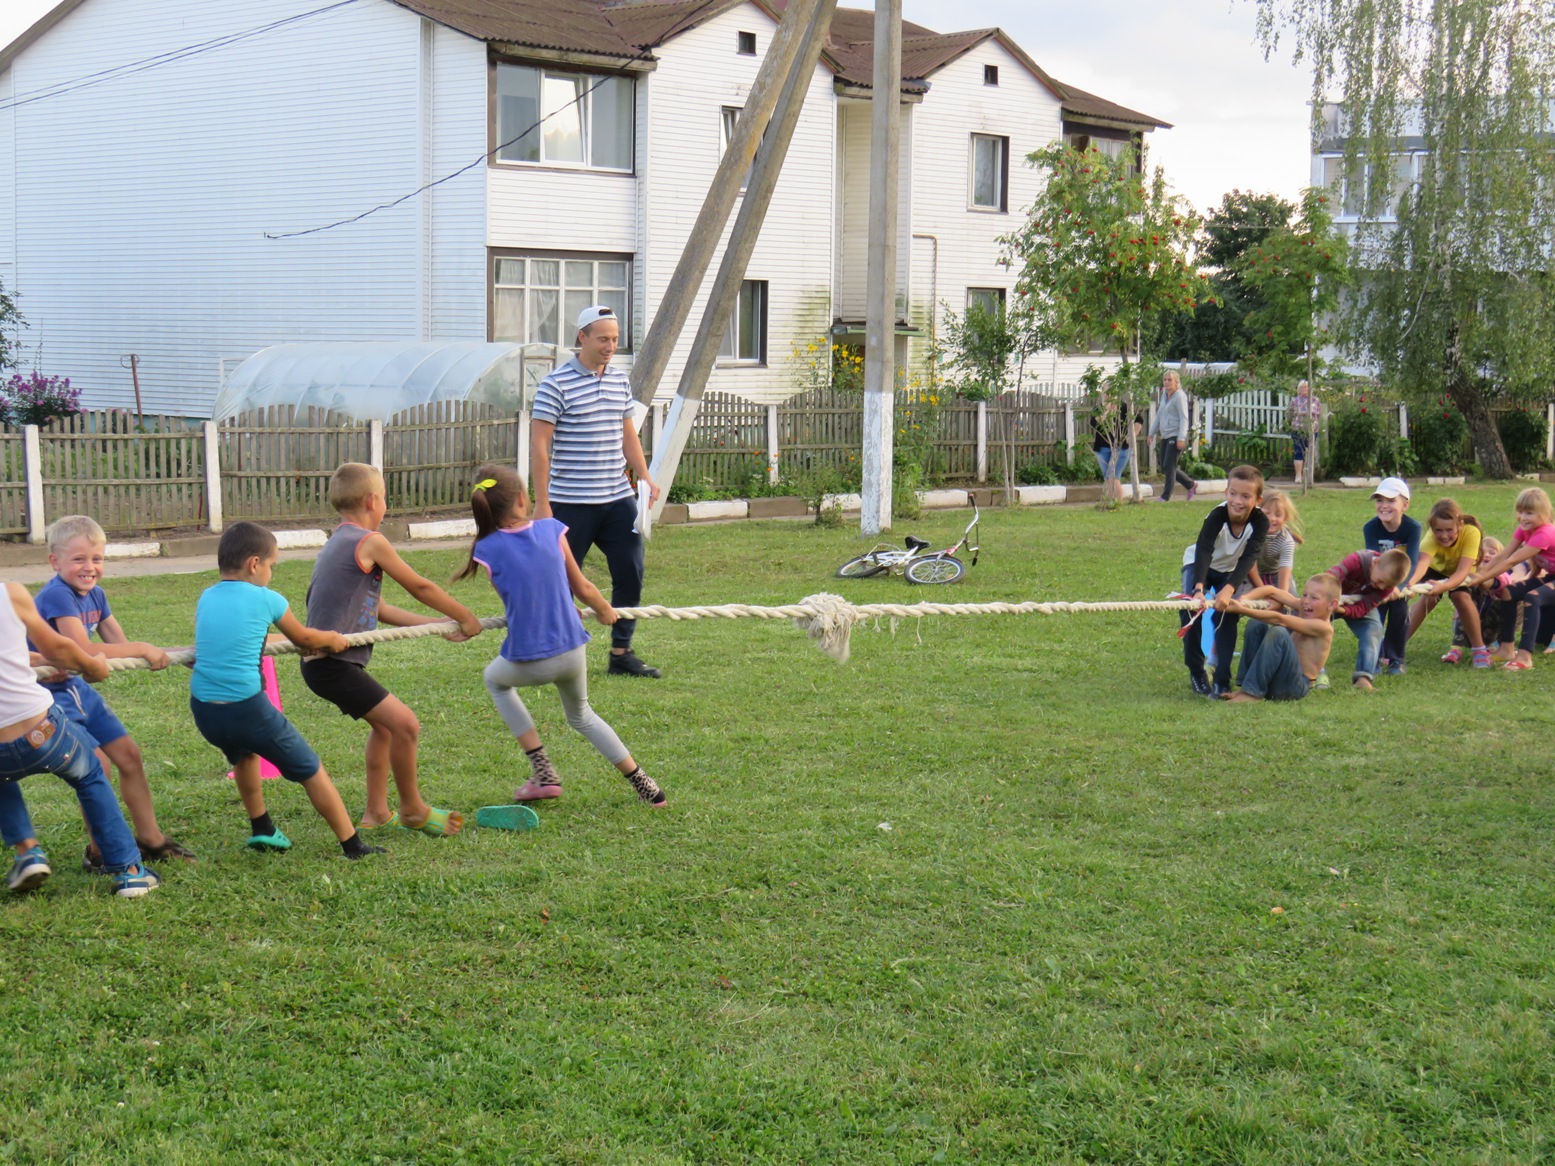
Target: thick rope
{"points": [[827, 619]]}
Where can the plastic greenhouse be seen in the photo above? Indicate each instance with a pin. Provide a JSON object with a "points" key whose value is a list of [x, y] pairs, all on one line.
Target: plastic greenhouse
{"points": [[374, 381]]}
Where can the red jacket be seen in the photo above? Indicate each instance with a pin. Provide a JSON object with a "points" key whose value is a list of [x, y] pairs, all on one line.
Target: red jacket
{"points": [[1354, 575]]}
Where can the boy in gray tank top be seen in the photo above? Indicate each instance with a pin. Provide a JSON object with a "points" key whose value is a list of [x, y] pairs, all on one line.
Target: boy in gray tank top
{"points": [[344, 596]]}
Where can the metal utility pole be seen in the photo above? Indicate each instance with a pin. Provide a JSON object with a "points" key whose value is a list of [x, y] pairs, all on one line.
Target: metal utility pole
{"points": [[669, 445], [880, 318], [675, 308]]}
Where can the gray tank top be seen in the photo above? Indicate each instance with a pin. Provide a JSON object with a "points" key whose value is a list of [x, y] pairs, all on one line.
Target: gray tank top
{"points": [[341, 596]]}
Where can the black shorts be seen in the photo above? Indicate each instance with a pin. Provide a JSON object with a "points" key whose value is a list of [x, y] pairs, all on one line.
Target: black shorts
{"points": [[345, 685], [1432, 575]]}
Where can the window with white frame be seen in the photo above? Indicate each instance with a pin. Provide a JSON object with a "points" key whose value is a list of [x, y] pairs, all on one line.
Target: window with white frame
{"points": [[548, 117], [745, 338], [989, 299], [731, 118], [990, 172], [536, 297]]}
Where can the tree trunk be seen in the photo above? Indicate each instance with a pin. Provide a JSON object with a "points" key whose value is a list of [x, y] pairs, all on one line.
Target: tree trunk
{"points": [[1483, 432]]}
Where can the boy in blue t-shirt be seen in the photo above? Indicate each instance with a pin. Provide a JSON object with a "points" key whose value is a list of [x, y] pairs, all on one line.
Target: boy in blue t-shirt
{"points": [[231, 625], [76, 607], [1391, 529]]}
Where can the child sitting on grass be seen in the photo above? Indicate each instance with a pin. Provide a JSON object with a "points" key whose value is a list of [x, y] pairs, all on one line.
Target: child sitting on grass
{"points": [[343, 596], [75, 606], [1283, 655], [1372, 577], [1533, 542], [1448, 555], [36, 736], [1218, 561], [1277, 557], [532, 569], [231, 625]]}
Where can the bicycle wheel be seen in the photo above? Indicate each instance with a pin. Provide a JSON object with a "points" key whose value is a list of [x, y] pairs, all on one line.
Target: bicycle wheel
{"points": [[862, 567], [936, 569]]}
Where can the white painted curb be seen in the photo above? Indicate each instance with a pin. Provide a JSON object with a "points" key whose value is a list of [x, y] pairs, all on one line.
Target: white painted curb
{"points": [[702, 511], [132, 550], [1359, 483], [448, 528], [1213, 485], [1457, 481], [942, 499], [1041, 495], [290, 540], [846, 501]]}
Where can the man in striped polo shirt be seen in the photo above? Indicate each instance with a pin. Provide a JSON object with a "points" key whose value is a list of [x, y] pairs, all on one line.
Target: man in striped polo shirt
{"points": [[582, 439]]}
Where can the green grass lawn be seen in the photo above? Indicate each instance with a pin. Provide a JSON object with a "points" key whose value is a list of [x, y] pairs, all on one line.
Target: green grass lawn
{"points": [[1064, 948]]}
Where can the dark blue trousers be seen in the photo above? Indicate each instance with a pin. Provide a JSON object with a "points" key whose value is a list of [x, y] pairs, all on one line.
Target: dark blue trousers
{"points": [[612, 527]]}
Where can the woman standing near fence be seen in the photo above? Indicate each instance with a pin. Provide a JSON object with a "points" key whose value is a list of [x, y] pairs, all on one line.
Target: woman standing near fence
{"points": [[1305, 411], [1171, 426]]}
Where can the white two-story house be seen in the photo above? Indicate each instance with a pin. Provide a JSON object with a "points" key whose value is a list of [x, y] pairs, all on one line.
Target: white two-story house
{"points": [[193, 180]]}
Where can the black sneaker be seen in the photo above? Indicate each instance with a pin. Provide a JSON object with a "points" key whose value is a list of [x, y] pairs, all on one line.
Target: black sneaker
{"points": [[358, 855], [627, 664], [1201, 686], [1218, 692]]}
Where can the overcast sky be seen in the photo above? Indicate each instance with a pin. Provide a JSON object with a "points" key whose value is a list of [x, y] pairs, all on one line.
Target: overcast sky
{"points": [[1238, 121]]}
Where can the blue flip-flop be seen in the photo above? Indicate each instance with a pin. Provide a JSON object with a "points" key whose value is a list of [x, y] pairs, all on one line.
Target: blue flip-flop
{"points": [[509, 817]]}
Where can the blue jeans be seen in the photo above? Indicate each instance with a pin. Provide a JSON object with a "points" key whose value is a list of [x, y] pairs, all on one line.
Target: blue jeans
{"points": [[1368, 631], [1112, 462], [1536, 593], [1270, 667], [70, 755], [612, 527]]}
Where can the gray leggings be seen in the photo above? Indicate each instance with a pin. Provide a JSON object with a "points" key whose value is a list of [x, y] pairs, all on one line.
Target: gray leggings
{"points": [[504, 677]]}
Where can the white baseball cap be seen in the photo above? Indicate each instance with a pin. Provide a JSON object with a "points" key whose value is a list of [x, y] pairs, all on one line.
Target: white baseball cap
{"points": [[594, 314], [1391, 488]]}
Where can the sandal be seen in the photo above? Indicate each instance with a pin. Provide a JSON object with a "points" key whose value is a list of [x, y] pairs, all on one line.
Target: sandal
{"points": [[439, 823], [1452, 656], [1516, 666], [169, 848], [507, 817], [394, 820]]}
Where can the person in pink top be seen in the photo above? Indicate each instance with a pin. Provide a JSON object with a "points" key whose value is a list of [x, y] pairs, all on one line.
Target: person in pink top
{"points": [[1534, 539]]}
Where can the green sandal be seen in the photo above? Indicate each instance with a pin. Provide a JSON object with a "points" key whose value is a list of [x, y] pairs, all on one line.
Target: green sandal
{"points": [[439, 823], [511, 817]]}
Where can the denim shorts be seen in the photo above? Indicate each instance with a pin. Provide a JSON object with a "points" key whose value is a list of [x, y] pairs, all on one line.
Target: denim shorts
{"points": [[1118, 459], [86, 709], [1298, 445], [243, 728]]}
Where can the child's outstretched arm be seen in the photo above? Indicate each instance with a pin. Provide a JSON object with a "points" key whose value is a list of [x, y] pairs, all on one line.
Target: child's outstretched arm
{"points": [[377, 550], [1506, 559], [1269, 591], [1295, 624], [585, 590], [115, 644], [310, 639], [57, 650]]}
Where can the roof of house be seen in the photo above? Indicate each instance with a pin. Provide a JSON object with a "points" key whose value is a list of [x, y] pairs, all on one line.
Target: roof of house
{"points": [[631, 29]]}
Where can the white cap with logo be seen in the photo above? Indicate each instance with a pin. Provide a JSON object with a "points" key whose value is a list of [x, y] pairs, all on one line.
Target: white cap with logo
{"points": [[1391, 488], [594, 314]]}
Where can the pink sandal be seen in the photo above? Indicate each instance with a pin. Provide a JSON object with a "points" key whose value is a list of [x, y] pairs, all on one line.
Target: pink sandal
{"points": [[1516, 666], [1453, 656]]}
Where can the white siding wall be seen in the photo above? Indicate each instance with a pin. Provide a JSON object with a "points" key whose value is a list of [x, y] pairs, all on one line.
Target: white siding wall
{"points": [[959, 105], [143, 204], [700, 73], [456, 210], [854, 131]]}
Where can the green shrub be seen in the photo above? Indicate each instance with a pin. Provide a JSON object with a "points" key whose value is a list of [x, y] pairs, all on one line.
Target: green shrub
{"points": [[1397, 457], [1356, 435], [1440, 437], [1036, 474], [1197, 469], [1522, 435]]}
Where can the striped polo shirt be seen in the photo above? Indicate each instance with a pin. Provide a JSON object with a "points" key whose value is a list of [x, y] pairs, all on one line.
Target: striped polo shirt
{"points": [[587, 462]]}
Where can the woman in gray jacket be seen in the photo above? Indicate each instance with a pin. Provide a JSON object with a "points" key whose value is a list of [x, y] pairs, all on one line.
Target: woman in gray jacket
{"points": [[1171, 427]]}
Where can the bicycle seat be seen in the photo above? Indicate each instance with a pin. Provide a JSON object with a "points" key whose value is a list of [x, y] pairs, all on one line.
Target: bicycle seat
{"points": [[917, 544]]}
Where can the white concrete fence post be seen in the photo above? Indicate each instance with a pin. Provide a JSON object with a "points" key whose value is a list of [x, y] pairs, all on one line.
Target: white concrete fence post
{"points": [[32, 459], [1403, 421], [1069, 430], [212, 475], [772, 444], [982, 441], [1149, 441], [375, 444], [1549, 431], [1209, 423]]}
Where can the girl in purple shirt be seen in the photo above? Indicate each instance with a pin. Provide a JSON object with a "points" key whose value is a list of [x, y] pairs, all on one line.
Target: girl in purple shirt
{"points": [[532, 569]]}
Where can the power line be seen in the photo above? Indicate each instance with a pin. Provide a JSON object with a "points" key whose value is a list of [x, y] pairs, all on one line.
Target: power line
{"points": [[445, 178], [59, 89]]}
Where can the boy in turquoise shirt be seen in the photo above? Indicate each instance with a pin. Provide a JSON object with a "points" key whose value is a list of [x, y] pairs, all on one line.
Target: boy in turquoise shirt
{"points": [[231, 624]]}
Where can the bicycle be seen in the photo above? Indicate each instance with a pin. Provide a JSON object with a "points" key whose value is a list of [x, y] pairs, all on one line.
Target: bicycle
{"points": [[913, 562]]}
